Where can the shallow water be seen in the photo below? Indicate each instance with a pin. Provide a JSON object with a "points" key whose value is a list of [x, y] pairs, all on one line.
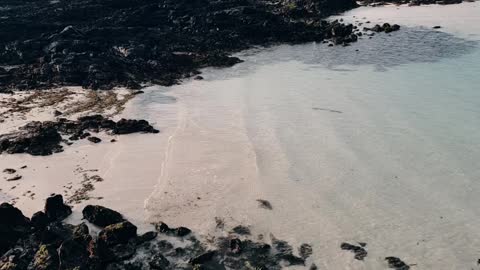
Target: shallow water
{"points": [[376, 143]]}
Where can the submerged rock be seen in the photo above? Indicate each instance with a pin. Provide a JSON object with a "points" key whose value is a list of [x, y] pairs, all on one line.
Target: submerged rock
{"points": [[359, 251]]}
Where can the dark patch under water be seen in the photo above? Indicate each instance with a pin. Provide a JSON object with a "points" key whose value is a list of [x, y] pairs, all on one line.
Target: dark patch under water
{"points": [[383, 51]]}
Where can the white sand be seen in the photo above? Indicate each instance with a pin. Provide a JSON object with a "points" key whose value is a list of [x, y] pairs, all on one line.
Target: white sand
{"points": [[128, 176]]}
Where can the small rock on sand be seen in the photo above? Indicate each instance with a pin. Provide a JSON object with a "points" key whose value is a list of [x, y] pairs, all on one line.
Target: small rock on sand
{"points": [[15, 178], [265, 204], [9, 171], [94, 139]]}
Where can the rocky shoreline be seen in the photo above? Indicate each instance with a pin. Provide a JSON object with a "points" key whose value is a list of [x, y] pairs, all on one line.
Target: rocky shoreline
{"points": [[45, 138], [45, 242], [126, 43], [106, 240]]}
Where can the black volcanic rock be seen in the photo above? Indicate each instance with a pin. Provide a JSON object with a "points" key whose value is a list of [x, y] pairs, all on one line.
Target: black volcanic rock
{"points": [[180, 231], [55, 209], [13, 225], [103, 44], [396, 263], [58, 245], [125, 126], [359, 251], [119, 233], [39, 220], [45, 138], [101, 216], [35, 138]]}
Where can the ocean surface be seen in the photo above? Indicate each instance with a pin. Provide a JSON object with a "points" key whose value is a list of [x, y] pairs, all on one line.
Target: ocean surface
{"points": [[378, 142]]}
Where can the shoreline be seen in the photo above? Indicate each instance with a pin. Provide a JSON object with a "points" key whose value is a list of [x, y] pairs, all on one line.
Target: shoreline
{"points": [[135, 164]]}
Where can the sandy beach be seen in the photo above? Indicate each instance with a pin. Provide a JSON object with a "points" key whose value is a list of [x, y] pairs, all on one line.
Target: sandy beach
{"points": [[338, 152]]}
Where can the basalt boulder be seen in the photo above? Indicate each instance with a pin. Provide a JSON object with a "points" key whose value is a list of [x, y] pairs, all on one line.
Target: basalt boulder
{"points": [[13, 226], [56, 209], [101, 216]]}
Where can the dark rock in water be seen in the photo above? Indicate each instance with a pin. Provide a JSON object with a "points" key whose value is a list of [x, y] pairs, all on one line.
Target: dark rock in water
{"points": [[148, 236], [55, 209], [241, 230], [119, 233], [39, 220], [360, 252], [44, 138], [305, 251], [396, 263], [437, 27], [94, 139], [13, 225], [159, 262], [180, 231], [204, 258], [386, 27], [104, 44], [46, 258]]}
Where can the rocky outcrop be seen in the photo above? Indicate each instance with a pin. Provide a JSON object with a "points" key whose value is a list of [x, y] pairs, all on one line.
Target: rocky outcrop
{"points": [[103, 44], [386, 27], [56, 245], [46, 138]]}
